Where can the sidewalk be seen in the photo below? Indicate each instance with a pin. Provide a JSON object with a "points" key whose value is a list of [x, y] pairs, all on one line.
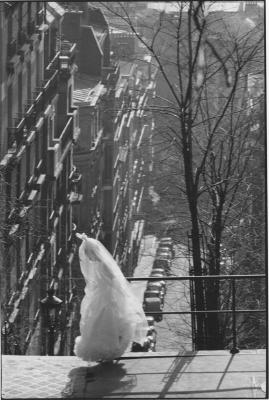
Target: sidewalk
{"points": [[174, 331], [145, 260], [204, 374]]}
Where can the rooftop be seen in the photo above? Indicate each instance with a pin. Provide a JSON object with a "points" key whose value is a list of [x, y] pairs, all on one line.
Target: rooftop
{"points": [[204, 374]]}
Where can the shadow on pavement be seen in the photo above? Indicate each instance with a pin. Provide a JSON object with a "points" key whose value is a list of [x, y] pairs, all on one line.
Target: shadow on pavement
{"points": [[175, 370], [98, 381]]}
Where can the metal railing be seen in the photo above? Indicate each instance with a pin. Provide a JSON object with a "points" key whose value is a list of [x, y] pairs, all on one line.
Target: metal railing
{"points": [[11, 341], [233, 310]]}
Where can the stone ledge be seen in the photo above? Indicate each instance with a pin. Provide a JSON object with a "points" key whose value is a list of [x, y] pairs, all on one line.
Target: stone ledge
{"points": [[203, 374]]}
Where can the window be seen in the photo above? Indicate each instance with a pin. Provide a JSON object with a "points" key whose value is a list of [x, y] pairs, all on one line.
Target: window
{"points": [[18, 258], [40, 150], [22, 170], [29, 86], [38, 74], [23, 255], [97, 119], [107, 212], [20, 16], [13, 193], [20, 92], [19, 186], [70, 97], [50, 130], [29, 11], [53, 253], [9, 29], [46, 47], [37, 148], [9, 105], [28, 163], [53, 39], [32, 149], [108, 161]]}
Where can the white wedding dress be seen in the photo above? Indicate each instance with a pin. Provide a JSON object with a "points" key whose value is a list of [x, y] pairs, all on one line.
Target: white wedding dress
{"points": [[111, 316]]}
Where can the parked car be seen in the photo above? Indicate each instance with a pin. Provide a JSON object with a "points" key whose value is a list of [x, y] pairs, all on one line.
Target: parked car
{"points": [[154, 305], [156, 286], [152, 338], [158, 271], [164, 249], [150, 321], [150, 343], [140, 347], [163, 254], [162, 263], [154, 274], [167, 241], [152, 332], [154, 293], [160, 276]]}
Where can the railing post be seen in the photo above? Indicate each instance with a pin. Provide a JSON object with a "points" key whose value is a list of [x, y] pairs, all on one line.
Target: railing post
{"points": [[234, 349], [193, 308]]}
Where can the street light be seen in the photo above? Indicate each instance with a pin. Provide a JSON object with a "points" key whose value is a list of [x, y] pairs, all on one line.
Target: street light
{"points": [[5, 333], [10, 340], [50, 307]]}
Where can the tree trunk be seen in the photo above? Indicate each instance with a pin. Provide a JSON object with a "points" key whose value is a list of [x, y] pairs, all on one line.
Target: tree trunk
{"points": [[191, 189], [214, 339], [200, 341]]}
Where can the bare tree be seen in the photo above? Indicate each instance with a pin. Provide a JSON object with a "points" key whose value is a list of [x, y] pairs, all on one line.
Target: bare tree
{"points": [[202, 107]]}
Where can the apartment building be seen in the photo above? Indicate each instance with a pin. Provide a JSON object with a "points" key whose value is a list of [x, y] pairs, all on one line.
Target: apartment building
{"points": [[111, 95], [37, 131]]}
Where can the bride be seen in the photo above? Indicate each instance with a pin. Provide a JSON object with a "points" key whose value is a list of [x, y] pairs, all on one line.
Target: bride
{"points": [[111, 316]]}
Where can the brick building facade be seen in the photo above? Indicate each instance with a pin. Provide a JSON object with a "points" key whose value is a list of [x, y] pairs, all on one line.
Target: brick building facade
{"points": [[38, 128], [110, 96], [74, 155]]}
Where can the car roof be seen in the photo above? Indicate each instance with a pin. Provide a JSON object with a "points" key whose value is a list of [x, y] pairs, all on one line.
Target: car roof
{"points": [[158, 269], [151, 291], [152, 300], [158, 255], [158, 260]]}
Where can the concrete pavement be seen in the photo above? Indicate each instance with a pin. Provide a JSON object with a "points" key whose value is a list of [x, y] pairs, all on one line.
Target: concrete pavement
{"points": [[205, 374]]}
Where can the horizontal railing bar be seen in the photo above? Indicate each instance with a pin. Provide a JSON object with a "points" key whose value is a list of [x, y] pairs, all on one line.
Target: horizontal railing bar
{"points": [[152, 355], [203, 312], [194, 277]]}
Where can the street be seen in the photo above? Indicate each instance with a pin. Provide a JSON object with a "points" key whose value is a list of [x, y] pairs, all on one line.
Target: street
{"points": [[174, 331]]}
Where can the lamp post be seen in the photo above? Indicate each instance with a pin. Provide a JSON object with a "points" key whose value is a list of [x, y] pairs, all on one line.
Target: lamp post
{"points": [[5, 333], [50, 307]]}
